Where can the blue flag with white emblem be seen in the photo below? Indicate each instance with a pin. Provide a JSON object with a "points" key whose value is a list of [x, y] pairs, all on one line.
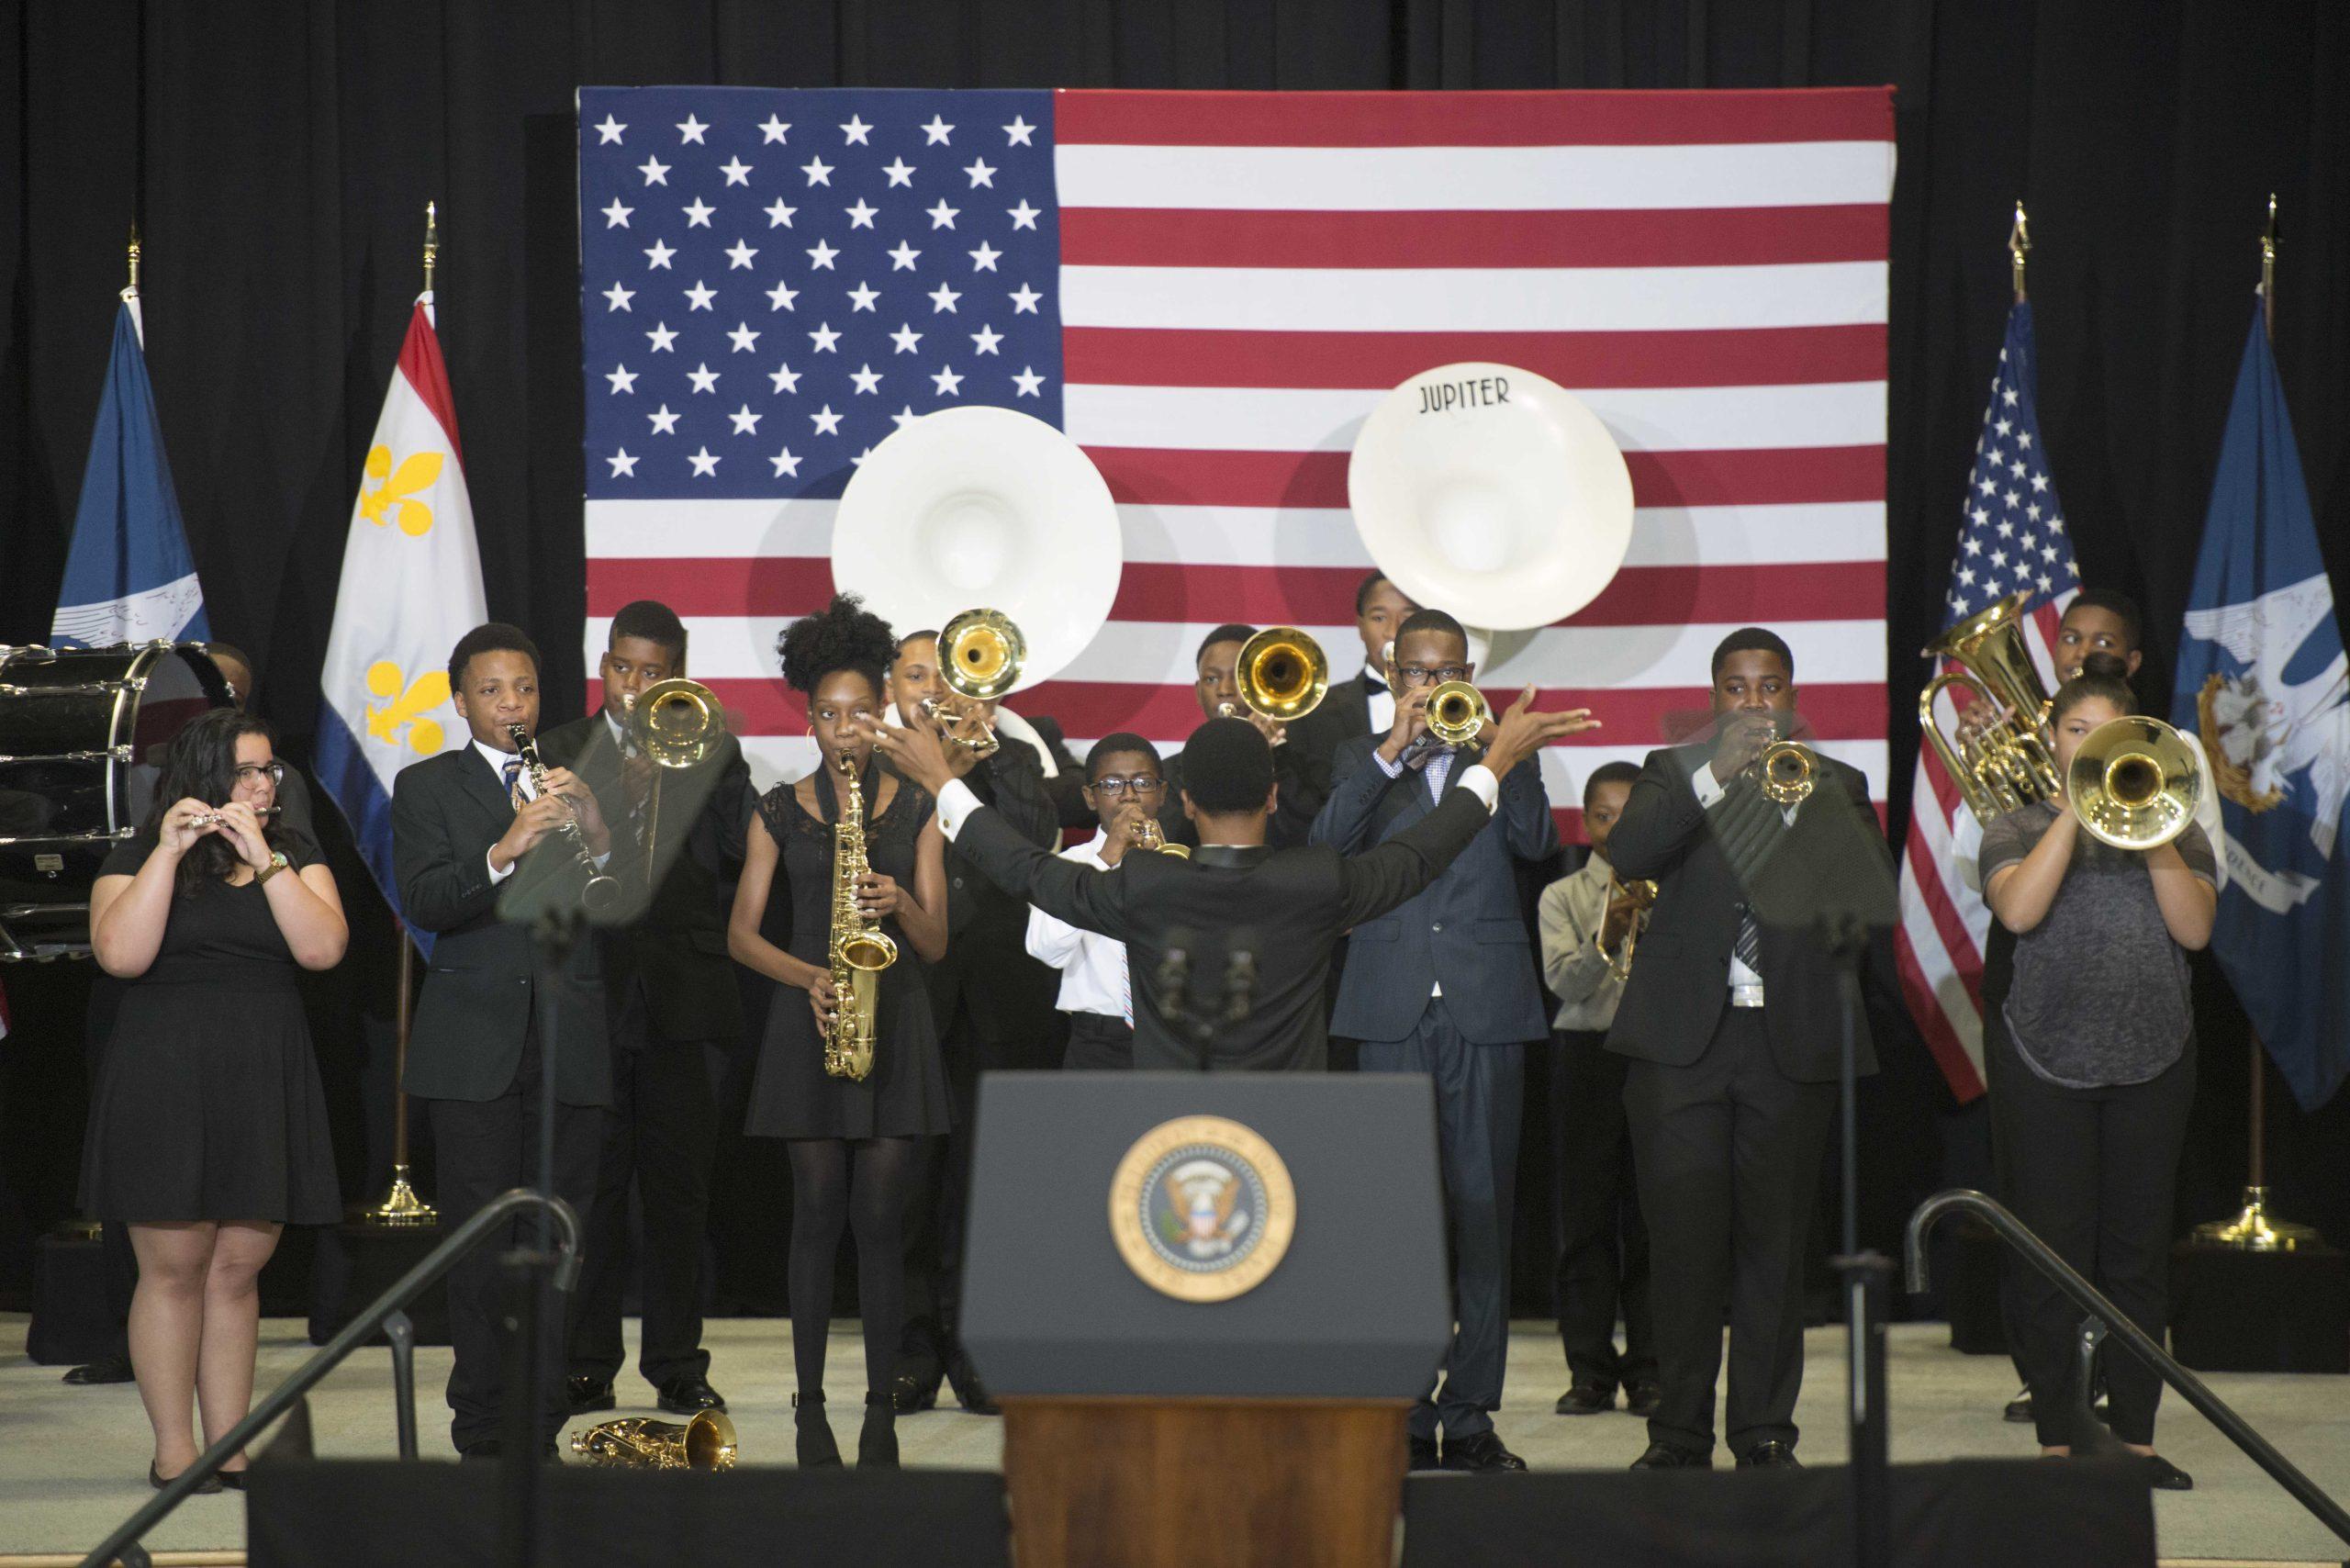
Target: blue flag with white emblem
{"points": [[128, 576], [2262, 681]]}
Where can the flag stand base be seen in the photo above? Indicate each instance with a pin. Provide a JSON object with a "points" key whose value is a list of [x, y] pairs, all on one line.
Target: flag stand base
{"points": [[2252, 1231]]}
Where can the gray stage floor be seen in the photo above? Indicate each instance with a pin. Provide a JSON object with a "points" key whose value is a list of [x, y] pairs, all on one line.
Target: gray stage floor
{"points": [[72, 1462]]}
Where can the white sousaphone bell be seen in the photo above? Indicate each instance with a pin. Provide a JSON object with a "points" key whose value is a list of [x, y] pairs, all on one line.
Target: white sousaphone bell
{"points": [[980, 509], [1491, 493]]}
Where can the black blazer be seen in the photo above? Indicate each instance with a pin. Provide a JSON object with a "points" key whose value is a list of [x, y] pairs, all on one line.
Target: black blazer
{"points": [[1067, 787], [1465, 930], [1681, 978], [1011, 995], [1293, 808], [482, 988], [678, 950], [1288, 906]]}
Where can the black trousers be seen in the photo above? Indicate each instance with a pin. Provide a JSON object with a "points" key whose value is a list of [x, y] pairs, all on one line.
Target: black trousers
{"points": [[2095, 1173], [1603, 1244], [1098, 1043], [661, 1140], [1479, 1092], [1728, 1151], [938, 1198], [483, 1147]]}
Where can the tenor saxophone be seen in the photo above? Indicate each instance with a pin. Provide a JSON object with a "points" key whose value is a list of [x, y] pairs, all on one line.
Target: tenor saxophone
{"points": [[860, 949]]}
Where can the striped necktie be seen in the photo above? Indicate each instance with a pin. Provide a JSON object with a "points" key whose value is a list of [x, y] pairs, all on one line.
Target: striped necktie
{"points": [[514, 781]]}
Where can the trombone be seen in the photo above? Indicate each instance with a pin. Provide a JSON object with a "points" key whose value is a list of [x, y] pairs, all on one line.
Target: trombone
{"points": [[979, 655], [679, 724], [1283, 676], [2133, 783]]}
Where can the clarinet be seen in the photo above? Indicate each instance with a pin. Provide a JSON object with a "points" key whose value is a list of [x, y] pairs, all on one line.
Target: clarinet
{"points": [[601, 895]]}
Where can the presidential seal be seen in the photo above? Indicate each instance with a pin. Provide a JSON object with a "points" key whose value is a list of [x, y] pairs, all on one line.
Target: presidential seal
{"points": [[1201, 1208]]}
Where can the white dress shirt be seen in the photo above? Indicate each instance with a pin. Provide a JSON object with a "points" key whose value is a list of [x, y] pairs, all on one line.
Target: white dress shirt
{"points": [[1710, 791], [498, 760], [1383, 703], [1093, 967]]}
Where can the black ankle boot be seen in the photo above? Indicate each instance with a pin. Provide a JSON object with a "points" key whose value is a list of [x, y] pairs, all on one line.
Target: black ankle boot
{"points": [[817, 1449], [878, 1443]]}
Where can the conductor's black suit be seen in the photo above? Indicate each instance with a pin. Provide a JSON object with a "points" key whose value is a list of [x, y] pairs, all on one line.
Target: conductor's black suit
{"points": [[1728, 1105]]}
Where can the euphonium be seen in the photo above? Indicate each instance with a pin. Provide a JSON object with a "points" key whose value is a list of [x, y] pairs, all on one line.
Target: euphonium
{"points": [[706, 1442], [2006, 762], [979, 655], [860, 949], [599, 894], [2133, 783], [1642, 893], [1282, 674]]}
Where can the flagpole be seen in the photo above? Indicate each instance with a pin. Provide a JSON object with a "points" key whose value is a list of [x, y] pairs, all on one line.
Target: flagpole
{"points": [[2018, 247], [130, 294], [431, 243], [2252, 1228]]}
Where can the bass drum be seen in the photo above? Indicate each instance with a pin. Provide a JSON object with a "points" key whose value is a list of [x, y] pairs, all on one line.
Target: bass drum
{"points": [[82, 738]]}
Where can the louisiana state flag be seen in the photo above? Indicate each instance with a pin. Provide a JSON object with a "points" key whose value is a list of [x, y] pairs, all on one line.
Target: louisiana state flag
{"points": [[411, 587]]}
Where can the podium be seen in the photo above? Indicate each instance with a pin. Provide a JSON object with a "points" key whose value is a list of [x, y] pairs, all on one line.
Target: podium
{"points": [[1206, 1303]]}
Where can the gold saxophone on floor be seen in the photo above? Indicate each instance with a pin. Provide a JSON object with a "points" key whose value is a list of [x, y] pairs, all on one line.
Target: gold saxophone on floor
{"points": [[860, 949]]}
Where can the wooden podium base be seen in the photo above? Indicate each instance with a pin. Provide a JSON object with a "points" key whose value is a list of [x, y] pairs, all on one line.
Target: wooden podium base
{"points": [[1137, 1482]]}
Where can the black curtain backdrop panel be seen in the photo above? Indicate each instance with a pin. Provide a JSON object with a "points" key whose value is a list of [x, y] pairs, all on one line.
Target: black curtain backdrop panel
{"points": [[277, 159]]}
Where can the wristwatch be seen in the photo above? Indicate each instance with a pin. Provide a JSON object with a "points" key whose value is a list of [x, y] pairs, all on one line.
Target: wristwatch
{"points": [[277, 863]]}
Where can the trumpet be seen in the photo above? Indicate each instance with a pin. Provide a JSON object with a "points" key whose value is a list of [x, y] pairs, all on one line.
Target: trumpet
{"points": [[1457, 715], [1282, 675], [1642, 893], [599, 894], [2133, 783], [979, 655], [214, 818], [1785, 772], [2005, 762], [1150, 836]]}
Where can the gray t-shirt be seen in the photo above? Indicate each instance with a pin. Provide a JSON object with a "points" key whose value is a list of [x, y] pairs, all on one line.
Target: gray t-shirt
{"points": [[2100, 991]]}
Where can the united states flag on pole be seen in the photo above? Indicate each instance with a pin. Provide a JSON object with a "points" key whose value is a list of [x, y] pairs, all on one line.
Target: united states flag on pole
{"points": [[1208, 292], [2013, 540]]}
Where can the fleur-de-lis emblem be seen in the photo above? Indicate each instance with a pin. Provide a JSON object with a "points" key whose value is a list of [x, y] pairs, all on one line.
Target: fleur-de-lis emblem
{"points": [[395, 490], [405, 709]]}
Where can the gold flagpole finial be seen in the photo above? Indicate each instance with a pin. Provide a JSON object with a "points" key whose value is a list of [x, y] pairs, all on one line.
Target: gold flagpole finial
{"points": [[2269, 272], [132, 292], [432, 241], [2018, 247]]}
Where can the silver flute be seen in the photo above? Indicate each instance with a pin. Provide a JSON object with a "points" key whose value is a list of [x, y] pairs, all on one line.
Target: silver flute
{"points": [[210, 819]]}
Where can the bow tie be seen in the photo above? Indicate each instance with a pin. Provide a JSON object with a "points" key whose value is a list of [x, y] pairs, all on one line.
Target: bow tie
{"points": [[1372, 684]]}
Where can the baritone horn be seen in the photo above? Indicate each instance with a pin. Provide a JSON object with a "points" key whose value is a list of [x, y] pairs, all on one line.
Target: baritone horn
{"points": [[679, 724], [2006, 762], [1283, 676], [2135, 784], [706, 1442]]}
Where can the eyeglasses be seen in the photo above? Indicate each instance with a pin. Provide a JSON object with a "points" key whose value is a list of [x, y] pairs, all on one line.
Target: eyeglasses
{"points": [[252, 772], [1421, 675], [1140, 784]]}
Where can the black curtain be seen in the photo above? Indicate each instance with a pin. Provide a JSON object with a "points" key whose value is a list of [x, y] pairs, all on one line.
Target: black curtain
{"points": [[278, 158]]}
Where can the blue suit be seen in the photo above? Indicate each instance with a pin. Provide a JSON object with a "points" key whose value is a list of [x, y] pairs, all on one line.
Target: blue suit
{"points": [[1465, 933]]}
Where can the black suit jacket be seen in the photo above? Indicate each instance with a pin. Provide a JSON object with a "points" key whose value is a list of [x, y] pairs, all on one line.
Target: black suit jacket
{"points": [[1293, 808], [1681, 978], [1286, 906], [677, 949], [1067, 787], [482, 985], [1010, 994]]}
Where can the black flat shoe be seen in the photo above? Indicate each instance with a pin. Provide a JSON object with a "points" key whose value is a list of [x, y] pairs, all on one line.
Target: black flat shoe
{"points": [[1770, 1456], [812, 1435], [1420, 1454], [1585, 1399], [489, 1449], [969, 1392], [2165, 1477], [877, 1443], [1480, 1453], [232, 1480], [105, 1369], [688, 1396], [158, 1481], [1642, 1399], [586, 1395], [911, 1393], [1664, 1456], [2019, 1410]]}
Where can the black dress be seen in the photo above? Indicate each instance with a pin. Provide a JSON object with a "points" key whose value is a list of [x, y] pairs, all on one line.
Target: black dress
{"points": [[207, 1106], [793, 1096]]}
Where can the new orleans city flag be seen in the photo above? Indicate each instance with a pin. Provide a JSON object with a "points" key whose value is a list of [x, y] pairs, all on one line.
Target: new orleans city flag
{"points": [[411, 587], [2262, 681]]}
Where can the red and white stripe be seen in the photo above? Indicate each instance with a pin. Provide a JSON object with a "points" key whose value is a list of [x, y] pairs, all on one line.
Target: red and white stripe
{"points": [[1938, 946], [1245, 275]]}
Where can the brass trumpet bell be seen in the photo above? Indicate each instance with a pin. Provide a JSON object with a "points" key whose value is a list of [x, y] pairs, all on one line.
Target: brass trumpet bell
{"points": [[2133, 783], [1151, 836], [633, 1443], [1456, 712], [677, 723], [980, 655], [2007, 762], [1785, 771], [1282, 674]]}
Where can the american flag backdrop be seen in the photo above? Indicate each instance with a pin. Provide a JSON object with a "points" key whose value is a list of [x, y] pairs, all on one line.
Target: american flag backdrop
{"points": [[2013, 540], [1208, 292]]}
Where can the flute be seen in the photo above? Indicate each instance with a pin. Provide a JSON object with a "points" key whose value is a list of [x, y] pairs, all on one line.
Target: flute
{"points": [[212, 819]]}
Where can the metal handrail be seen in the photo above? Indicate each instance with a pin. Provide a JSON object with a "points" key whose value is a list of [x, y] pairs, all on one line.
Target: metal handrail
{"points": [[2087, 1296], [380, 1314]]}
